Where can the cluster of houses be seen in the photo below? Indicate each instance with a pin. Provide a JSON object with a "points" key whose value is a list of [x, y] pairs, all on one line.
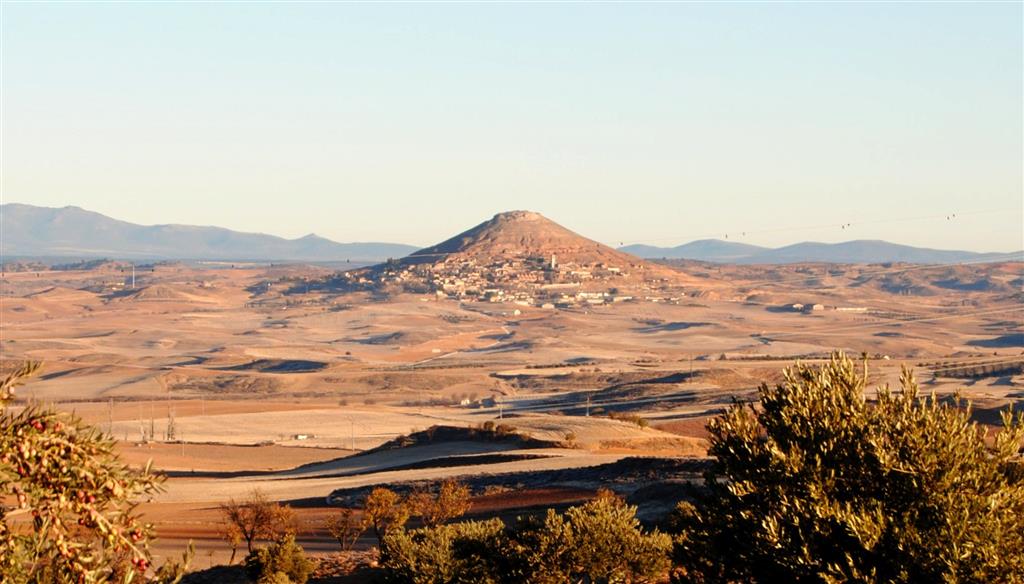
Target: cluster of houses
{"points": [[810, 308], [523, 280]]}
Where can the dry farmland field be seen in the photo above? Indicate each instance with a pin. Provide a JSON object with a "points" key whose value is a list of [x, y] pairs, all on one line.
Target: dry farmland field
{"points": [[234, 378]]}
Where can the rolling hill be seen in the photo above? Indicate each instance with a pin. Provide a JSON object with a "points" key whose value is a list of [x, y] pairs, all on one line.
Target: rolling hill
{"points": [[30, 231]]}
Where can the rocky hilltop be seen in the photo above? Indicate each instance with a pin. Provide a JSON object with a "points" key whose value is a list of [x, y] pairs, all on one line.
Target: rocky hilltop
{"points": [[524, 257], [522, 234]]}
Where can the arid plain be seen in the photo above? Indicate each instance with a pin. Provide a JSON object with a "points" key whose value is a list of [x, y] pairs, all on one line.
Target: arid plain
{"points": [[233, 377]]}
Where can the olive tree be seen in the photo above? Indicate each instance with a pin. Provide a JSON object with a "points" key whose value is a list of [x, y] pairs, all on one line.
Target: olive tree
{"points": [[821, 484], [609, 544], [68, 511], [599, 542]]}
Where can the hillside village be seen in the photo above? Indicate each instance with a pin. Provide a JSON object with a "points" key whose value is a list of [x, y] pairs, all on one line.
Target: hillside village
{"points": [[523, 258], [525, 280]]}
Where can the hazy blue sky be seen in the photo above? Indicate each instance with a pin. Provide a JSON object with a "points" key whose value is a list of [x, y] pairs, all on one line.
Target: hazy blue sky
{"points": [[657, 123]]}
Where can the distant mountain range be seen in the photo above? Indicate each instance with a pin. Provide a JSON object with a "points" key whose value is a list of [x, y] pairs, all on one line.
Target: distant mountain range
{"points": [[708, 250], [31, 231], [848, 252]]}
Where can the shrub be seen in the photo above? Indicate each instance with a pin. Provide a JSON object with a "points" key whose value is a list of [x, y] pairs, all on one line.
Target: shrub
{"points": [[253, 519], [344, 528], [274, 578], [504, 430], [456, 553], [541, 549], [821, 485], [600, 542], [279, 563], [450, 501], [627, 417], [609, 545], [384, 510], [569, 439]]}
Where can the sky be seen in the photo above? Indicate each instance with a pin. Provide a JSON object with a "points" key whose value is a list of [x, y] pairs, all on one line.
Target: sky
{"points": [[768, 123]]}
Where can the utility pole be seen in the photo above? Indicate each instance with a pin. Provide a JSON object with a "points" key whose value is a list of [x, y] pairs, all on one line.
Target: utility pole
{"points": [[133, 276], [171, 430]]}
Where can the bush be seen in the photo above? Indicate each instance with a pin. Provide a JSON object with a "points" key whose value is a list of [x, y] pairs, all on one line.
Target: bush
{"points": [[627, 417], [456, 553], [822, 486], [282, 562], [450, 501], [345, 529], [610, 546], [274, 578], [255, 518], [504, 430], [385, 510], [541, 549], [569, 439], [598, 542]]}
